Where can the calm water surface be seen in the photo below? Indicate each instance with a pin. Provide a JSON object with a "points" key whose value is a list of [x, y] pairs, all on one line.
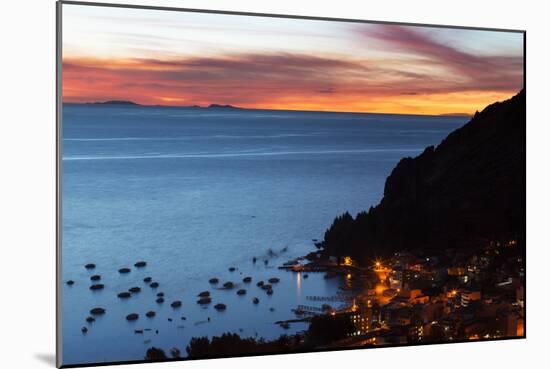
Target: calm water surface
{"points": [[195, 191]]}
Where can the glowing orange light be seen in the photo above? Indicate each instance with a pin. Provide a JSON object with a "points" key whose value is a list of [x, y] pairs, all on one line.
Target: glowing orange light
{"points": [[380, 288]]}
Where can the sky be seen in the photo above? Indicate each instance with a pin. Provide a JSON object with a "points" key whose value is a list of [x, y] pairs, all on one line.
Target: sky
{"points": [[160, 57]]}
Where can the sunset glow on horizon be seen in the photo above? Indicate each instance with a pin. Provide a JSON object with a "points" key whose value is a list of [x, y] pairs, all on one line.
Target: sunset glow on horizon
{"points": [[159, 57]]}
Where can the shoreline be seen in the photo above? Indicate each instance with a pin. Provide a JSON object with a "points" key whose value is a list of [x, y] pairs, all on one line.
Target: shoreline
{"points": [[357, 302]]}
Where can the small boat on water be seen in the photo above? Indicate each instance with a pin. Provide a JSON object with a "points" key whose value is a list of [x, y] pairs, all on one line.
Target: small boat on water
{"points": [[220, 307], [97, 311], [204, 301]]}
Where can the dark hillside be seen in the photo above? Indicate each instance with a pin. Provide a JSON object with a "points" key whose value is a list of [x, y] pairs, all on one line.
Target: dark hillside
{"points": [[468, 189]]}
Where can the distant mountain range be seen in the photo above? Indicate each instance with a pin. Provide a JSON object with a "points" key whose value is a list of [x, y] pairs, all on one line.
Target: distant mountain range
{"points": [[227, 106], [466, 191], [131, 103]]}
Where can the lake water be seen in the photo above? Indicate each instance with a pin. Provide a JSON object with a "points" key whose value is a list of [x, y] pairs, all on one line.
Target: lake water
{"points": [[196, 191]]}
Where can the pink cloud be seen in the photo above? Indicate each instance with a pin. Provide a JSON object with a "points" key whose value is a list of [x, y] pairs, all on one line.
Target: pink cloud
{"points": [[480, 72]]}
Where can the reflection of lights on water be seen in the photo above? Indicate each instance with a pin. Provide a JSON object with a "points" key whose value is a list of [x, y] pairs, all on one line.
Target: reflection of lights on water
{"points": [[299, 283]]}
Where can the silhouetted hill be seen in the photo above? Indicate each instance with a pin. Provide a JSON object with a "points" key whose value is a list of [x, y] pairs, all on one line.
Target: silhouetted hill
{"points": [[218, 106], [116, 102], [470, 188]]}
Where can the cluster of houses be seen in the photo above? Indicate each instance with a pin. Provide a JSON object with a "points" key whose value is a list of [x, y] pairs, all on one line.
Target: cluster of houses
{"points": [[447, 296]]}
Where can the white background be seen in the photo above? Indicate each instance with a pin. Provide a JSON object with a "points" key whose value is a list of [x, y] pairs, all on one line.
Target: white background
{"points": [[27, 183]]}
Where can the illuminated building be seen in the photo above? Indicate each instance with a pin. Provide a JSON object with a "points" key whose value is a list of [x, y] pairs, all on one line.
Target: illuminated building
{"points": [[396, 278], [361, 319], [347, 261], [416, 332], [456, 271], [468, 296]]}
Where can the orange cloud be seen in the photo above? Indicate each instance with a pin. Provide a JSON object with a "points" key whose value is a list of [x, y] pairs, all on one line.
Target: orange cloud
{"points": [[296, 81]]}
